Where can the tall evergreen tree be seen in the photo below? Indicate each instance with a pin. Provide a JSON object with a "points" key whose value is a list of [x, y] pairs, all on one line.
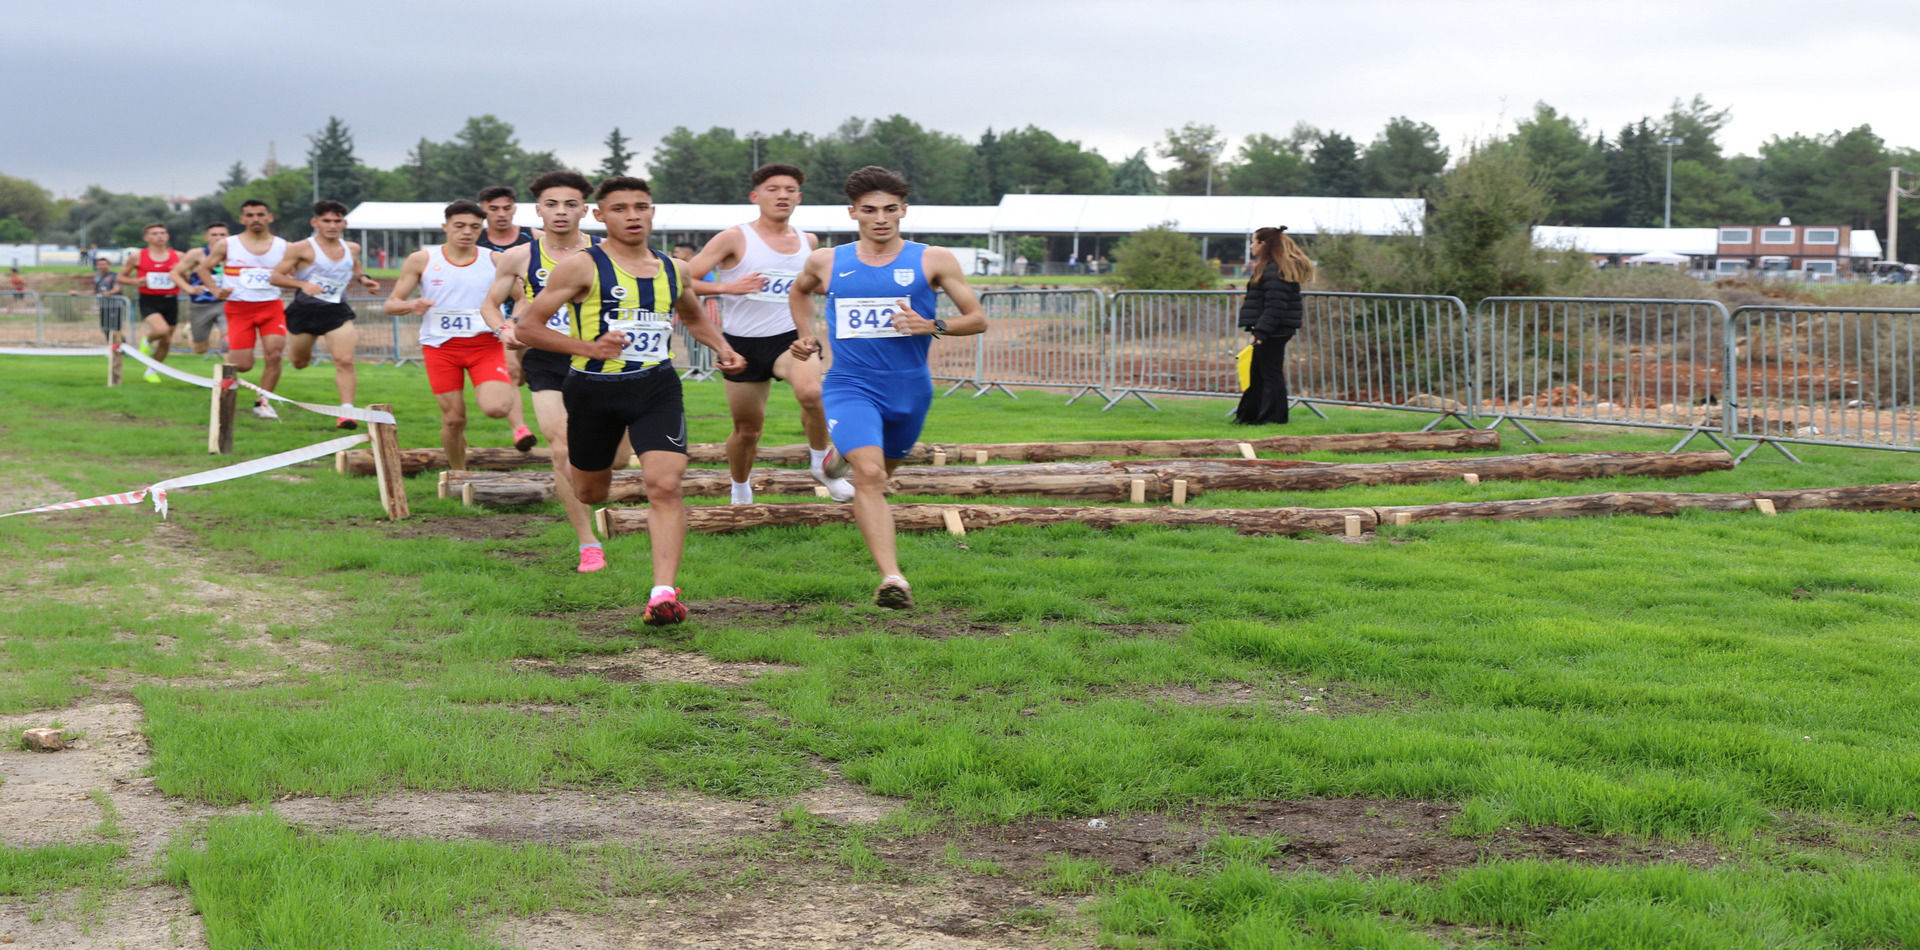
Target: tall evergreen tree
{"points": [[1336, 171], [1269, 166], [237, 177], [1572, 166], [619, 157], [1636, 177], [1405, 160], [1135, 177], [1196, 152], [341, 176]]}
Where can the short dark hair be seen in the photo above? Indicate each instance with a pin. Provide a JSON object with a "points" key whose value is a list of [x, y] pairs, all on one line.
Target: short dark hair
{"points": [[621, 183], [251, 202], [463, 206], [329, 206], [496, 191], [217, 224], [873, 178], [157, 224], [686, 244], [764, 172], [560, 179]]}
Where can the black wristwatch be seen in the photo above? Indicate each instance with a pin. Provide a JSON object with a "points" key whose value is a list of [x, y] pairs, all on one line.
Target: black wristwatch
{"points": [[939, 326]]}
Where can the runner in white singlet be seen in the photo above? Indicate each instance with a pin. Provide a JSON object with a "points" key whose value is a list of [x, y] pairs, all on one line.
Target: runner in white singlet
{"points": [[756, 263], [253, 305], [320, 271]]}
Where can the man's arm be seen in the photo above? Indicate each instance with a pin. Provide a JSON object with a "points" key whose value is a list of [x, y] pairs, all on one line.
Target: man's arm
{"points": [[725, 248], [943, 272], [812, 280], [359, 272], [693, 316], [297, 256], [569, 283], [216, 256], [508, 270], [397, 303], [185, 266], [129, 275]]}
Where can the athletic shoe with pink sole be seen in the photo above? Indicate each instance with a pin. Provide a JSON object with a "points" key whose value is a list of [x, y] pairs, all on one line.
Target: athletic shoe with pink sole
{"points": [[592, 559], [664, 610], [523, 438]]}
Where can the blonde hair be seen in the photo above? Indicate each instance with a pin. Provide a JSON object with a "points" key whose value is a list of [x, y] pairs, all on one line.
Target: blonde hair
{"points": [[1281, 252]]}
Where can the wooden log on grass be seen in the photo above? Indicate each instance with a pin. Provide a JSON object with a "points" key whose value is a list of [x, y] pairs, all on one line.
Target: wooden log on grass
{"points": [[714, 519], [1112, 480], [715, 453]]}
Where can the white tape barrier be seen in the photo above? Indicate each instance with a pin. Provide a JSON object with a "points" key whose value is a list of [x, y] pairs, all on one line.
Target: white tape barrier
{"points": [[346, 412], [54, 351], [159, 489]]}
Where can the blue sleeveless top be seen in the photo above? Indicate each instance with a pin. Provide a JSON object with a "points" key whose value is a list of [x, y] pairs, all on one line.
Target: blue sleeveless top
{"points": [[862, 299]]}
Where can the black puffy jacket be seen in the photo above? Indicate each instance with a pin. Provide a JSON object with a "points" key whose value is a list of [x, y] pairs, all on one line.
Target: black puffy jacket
{"points": [[1273, 306]]}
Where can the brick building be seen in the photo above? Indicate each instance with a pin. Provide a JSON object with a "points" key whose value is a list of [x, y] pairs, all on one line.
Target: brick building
{"points": [[1821, 250]]}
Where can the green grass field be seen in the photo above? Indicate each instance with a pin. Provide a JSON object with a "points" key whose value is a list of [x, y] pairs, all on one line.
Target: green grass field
{"points": [[1613, 732]]}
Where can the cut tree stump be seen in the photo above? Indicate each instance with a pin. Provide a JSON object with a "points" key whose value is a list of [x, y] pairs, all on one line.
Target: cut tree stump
{"points": [[1114, 480], [714, 519], [360, 462]]}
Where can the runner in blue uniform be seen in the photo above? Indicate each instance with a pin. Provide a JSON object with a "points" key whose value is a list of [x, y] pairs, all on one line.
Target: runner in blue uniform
{"points": [[880, 314]]}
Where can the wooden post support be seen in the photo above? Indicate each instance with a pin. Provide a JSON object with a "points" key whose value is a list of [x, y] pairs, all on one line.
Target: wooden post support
{"points": [[113, 358], [1179, 491], [1471, 478], [387, 469], [1246, 451], [1765, 505], [1139, 491], [466, 494], [340, 464], [820, 491], [1353, 526], [600, 522], [444, 476], [980, 457], [225, 397], [954, 527], [1402, 517], [939, 458]]}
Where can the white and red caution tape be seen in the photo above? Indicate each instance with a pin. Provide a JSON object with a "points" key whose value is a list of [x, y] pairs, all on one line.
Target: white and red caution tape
{"points": [[158, 490], [54, 351], [338, 412]]}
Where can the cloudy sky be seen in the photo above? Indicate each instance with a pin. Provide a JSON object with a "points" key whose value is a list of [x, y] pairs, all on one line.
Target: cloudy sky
{"points": [[140, 98]]}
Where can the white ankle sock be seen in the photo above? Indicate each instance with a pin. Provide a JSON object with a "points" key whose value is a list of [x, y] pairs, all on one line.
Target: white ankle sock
{"points": [[659, 589], [743, 493], [818, 455]]}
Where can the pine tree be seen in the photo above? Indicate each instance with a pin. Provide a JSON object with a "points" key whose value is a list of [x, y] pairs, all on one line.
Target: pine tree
{"points": [[619, 157], [237, 177]]}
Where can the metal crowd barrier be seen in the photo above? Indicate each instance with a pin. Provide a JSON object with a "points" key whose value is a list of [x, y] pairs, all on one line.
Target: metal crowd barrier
{"points": [[1630, 362], [1173, 343], [38, 319], [1386, 351], [1822, 375], [1055, 339]]}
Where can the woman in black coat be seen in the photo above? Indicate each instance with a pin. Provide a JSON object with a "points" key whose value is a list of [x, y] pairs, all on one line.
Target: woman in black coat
{"points": [[1272, 312]]}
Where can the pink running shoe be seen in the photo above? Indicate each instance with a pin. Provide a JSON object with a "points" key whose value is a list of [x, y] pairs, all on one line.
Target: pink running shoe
{"points": [[592, 559], [523, 438], [664, 609]]}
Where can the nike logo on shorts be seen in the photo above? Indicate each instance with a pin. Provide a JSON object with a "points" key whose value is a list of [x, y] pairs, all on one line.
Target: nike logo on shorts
{"points": [[676, 441]]}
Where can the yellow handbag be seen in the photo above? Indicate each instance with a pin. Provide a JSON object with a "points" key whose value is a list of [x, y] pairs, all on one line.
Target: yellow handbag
{"points": [[1243, 363]]}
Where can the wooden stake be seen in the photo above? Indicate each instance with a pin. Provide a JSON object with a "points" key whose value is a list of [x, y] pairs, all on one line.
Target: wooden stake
{"points": [[980, 457], [1471, 478], [954, 527], [386, 462], [466, 494], [1246, 451], [340, 464], [1139, 491], [1353, 526], [1179, 491], [444, 476], [939, 458], [820, 491], [1402, 517], [600, 522], [113, 358], [1765, 505], [225, 397]]}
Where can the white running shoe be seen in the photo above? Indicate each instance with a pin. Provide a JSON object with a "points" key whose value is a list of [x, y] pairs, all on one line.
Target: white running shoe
{"points": [[263, 411], [838, 488], [834, 465]]}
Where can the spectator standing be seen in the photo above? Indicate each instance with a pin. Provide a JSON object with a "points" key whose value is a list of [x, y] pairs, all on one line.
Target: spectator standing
{"points": [[1272, 312], [106, 284]]}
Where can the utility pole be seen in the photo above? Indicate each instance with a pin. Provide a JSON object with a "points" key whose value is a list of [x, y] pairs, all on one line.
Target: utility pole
{"points": [[313, 159], [1211, 150], [1894, 191], [1670, 142]]}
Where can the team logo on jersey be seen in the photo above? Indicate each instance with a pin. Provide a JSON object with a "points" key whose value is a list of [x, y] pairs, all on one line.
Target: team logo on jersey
{"points": [[540, 275], [619, 292], [903, 276]]}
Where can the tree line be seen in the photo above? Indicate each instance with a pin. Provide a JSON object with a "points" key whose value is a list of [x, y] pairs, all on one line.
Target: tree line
{"points": [[1588, 177]]}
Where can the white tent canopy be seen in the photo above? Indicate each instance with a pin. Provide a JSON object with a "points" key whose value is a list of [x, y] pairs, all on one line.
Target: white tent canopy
{"points": [[679, 218], [1696, 242], [1659, 257]]}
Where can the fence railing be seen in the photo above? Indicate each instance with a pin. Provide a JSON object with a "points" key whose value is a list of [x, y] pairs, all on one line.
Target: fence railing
{"points": [[1043, 339], [1823, 375], [36, 319], [1389, 351]]}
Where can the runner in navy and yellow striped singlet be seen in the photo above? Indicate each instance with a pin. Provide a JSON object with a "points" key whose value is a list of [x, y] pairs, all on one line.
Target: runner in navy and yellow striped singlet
{"points": [[625, 296]]}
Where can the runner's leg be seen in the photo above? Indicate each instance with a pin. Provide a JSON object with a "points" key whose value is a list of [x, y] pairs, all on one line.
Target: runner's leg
{"points": [[870, 511], [804, 377], [666, 512], [340, 345], [274, 344], [300, 349], [496, 398], [453, 427], [160, 335], [550, 411], [748, 404]]}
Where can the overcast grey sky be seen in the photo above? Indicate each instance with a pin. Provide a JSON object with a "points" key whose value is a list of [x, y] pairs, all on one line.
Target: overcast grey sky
{"points": [[95, 92]]}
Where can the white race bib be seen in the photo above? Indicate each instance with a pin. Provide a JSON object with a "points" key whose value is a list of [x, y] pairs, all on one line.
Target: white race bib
{"points": [[329, 289], [455, 323], [778, 283], [648, 338], [256, 278], [159, 280], [865, 317]]}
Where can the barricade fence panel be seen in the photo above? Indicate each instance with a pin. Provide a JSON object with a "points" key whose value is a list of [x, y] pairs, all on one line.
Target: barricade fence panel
{"points": [[1390, 351], [1645, 363], [1173, 342], [66, 319], [1042, 338], [1825, 375]]}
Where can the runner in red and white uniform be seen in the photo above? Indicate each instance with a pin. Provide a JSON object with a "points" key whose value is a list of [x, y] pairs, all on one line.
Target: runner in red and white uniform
{"points": [[319, 271], [456, 338], [253, 302], [151, 270]]}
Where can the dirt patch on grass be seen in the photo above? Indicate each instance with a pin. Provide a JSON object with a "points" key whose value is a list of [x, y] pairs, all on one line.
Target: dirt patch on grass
{"points": [[24, 488], [1333, 699], [487, 527], [143, 918], [1325, 835], [927, 623], [653, 665]]}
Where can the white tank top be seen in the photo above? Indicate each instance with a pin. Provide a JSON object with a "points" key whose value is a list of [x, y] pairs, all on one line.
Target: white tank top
{"points": [[456, 293], [764, 313], [331, 274], [250, 274]]}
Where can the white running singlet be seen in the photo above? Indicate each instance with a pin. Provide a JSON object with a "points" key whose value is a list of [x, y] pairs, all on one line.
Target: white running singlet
{"points": [[764, 313], [250, 274], [331, 274], [456, 292]]}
